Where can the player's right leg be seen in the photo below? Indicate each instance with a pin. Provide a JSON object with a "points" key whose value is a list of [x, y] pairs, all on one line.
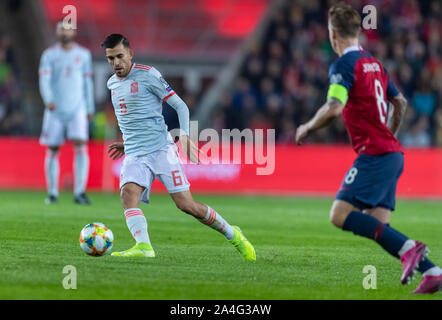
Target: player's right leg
{"points": [[432, 274], [130, 195], [347, 217], [78, 133], [52, 172], [135, 181], [52, 137]]}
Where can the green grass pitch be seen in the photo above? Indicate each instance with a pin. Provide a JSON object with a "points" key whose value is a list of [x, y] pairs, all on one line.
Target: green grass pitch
{"points": [[300, 255]]}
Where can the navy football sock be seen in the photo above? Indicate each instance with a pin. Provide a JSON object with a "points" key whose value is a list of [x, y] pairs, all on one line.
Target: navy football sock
{"points": [[424, 265], [369, 227]]}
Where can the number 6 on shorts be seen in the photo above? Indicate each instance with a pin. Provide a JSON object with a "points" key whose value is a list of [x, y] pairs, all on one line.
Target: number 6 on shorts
{"points": [[177, 180]]}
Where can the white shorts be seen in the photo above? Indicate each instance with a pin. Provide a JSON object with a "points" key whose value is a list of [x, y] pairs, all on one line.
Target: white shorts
{"points": [[53, 129], [164, 164]]}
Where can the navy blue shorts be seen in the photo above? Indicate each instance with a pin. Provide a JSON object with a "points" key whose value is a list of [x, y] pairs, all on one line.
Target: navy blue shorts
{"points": [[371, 181]]}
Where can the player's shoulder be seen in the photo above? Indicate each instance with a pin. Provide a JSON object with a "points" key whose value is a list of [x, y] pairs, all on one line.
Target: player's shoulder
{"points": [[346, 63], [83, 50], [144, 67], [145, 71], [111, 80]]}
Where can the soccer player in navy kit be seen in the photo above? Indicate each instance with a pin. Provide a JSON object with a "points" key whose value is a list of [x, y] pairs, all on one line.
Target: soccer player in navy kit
{"points": [[359, 88]]}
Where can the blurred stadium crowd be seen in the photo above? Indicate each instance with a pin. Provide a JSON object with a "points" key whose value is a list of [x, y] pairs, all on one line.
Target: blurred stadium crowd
{"points": [[11, 116], [284, 79]]}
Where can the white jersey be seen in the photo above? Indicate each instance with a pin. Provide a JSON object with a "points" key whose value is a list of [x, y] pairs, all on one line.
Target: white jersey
{"points": [[137, 100], [66, 80]]}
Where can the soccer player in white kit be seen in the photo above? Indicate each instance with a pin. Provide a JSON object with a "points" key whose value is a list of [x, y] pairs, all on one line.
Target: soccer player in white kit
{"points": [[66, 87], [138, 92]]}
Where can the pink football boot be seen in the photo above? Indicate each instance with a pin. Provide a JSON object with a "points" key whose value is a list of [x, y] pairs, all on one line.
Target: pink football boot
{"points": [[430, 284], [411, 260]]}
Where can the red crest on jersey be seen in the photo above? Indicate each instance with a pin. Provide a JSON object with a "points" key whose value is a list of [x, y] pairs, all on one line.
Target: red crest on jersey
{"points": [[134, 87]]}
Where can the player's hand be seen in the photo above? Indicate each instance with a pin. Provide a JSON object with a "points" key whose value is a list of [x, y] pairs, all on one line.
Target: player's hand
{"points": [[116, 150], [90, 117], [190, 149], [301, 133], [50, 106]]}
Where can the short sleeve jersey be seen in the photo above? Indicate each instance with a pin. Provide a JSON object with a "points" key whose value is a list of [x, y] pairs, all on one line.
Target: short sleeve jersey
{"points": [[362, 85]]}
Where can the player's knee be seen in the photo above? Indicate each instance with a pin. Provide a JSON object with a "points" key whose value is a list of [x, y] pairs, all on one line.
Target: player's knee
{"points": [[339, 212], [128, 195], [334, 219], [337, 217]]}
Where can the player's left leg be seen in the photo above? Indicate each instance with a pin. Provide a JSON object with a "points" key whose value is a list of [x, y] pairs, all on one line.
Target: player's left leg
{"points": [[206, 215], [382, 214], [78, 133], [167, 167]]}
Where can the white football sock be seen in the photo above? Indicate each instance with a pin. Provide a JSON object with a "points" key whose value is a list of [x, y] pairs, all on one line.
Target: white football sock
{"points": [[81, 169], [215, 221], [406, 246], [435, 271], [137, 224], [52, 171]]}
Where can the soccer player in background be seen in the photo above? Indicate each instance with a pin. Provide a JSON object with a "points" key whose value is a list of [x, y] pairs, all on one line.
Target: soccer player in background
{"points": [[66, 87], [138, 92], [359, 87]]}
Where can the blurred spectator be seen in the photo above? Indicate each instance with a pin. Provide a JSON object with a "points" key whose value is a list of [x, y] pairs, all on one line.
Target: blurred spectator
{"points": [[285, 77], [11, 117], [424, 100], [418, 135], [438, 127]]}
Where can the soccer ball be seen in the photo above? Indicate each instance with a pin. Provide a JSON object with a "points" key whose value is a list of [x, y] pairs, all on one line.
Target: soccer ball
{"points": [[96, 239]]}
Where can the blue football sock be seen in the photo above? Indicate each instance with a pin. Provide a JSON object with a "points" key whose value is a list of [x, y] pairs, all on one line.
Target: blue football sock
{"points": [[369, 227], [424, 265]]}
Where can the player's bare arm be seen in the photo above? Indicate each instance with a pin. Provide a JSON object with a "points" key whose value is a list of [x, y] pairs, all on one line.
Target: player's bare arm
{"points": [[323, 117], [190, 149], [116, 150], [400, 106]]}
